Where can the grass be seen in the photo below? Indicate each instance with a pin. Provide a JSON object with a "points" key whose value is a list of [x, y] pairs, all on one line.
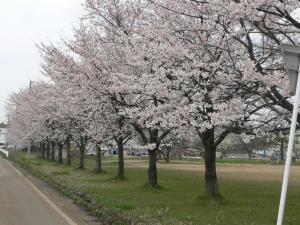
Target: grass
{"points": [[178, 201]]}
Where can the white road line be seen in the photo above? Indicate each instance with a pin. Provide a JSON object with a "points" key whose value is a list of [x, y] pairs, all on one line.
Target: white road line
{"points": [[58, 210]]}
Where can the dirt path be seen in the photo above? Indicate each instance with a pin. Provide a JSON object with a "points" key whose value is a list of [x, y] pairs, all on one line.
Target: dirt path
{"points": [[235, 171]]}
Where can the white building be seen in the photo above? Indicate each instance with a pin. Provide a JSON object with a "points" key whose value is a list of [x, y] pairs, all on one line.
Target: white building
{"points": [[2, 136]]}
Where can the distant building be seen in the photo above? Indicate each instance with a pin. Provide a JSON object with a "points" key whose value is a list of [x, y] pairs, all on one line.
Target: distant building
{"points": [[3, 136]]}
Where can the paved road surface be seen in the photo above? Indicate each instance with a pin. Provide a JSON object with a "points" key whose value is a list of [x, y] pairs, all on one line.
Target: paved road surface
{"points": [[21, 203]]}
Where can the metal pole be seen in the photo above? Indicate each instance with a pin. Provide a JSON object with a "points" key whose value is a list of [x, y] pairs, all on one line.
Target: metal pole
{"points": [[289, 153]]}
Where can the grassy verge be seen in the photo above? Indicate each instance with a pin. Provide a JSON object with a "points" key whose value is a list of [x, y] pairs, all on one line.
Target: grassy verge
{"points": [[179, 201]]}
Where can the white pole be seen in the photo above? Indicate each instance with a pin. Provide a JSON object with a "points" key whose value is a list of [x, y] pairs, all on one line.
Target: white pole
{"points": [[289, 153]]}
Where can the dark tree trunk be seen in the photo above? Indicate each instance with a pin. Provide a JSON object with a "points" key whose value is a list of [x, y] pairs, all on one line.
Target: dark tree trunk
{"points": [[68, 149], [29, 147], [249, 154], [60, 151], [166, 154], [247, 149], [82, 152], [281, 149], [154, 139], [98, 161], [211, 182], [42, 146], [81, 162], [48, 151], [52, 150], [167, 160], [121, 170], [152, 170], [33, 148]]}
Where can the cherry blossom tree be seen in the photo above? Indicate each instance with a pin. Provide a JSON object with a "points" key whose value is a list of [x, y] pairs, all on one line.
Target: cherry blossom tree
{"points": [[222, 69], [115, 26], [155, 67], [65, 72], [27, 118], [76, 72]]}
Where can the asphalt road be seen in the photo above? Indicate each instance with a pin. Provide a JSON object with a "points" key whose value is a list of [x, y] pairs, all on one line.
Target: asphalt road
{"points": [[22, 203]]}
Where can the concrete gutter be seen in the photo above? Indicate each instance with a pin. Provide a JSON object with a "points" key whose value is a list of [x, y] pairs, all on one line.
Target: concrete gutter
{"points": [[4, 152]]}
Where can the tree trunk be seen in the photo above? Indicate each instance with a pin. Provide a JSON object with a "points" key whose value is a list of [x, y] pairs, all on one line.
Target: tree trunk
{"points": [[167, 159], [152, 170], [42, 146], [98, 161], [168, 155], [52, 150], [60, 149], [211, 182], [48, 151], [81, 162], [82, 152], [68, 148], [121, 170], [249, 154], [29, 147], [281, 149], [154, 138]]}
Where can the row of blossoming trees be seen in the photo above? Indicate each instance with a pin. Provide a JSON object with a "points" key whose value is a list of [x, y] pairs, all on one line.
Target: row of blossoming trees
{"points": [[160, 67]]}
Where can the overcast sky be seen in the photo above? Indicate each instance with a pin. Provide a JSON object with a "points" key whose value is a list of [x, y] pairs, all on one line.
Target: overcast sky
{"points": [[24, 23]]}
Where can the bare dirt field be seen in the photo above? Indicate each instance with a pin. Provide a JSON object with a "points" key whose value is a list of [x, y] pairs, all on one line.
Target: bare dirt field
{"points": [[257, 172]]}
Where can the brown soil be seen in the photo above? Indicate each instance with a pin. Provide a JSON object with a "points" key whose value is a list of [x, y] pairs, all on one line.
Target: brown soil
{"points": [[256, 172]]}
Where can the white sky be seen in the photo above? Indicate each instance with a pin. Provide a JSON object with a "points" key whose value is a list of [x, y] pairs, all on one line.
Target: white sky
{"points": [[22, 24]]}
